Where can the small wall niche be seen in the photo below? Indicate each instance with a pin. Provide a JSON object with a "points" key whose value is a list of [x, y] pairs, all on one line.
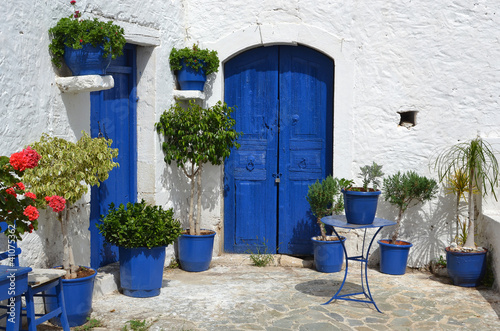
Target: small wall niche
{"points": [[408, 118]]}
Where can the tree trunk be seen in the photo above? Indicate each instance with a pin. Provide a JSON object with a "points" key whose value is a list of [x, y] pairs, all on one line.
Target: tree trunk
{"points": [[322, 228], [398, 225], [198, 204], [470, 231], [458, 218], [191, 203], [68, 258]]}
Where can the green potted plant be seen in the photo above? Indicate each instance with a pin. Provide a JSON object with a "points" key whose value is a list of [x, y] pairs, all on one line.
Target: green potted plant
{"points": [[324, 199], [66, 170], [402, 190], [467, 264], [192, 66], [194, 136], [141, 232], [360, 203], [87, 46]]}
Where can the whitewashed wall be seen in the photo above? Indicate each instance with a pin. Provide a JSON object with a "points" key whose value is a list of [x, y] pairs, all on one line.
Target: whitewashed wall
{"points": [[437, 58]]}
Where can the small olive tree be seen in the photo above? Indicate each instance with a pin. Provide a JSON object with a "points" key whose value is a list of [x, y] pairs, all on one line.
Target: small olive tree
{"points": [[67, 169], [325, 198], [193, 136], [404, 190]]}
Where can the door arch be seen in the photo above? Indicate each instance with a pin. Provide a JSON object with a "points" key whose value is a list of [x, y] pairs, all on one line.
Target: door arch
{"points": [[284, 106]]}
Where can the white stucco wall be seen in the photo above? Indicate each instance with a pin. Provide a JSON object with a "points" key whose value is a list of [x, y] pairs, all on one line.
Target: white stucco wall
{"points": [[437, 58]]}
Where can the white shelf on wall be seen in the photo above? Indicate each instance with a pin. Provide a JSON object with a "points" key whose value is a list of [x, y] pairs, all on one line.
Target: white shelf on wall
{"points": [[189, 94], [87, 83]]}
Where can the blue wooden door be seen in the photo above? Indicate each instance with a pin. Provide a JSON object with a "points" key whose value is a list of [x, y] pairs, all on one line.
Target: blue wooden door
{"points": [[113, 115], [284, 100]]}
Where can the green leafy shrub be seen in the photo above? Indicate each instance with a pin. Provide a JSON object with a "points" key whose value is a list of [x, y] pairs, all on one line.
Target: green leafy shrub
{"points": [[139, 225], [195, 58], [194, 136], [74, 32], [404, 190]]}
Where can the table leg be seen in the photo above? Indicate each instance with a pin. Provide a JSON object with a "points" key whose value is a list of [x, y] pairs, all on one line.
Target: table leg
{"points": [[345, 272]]}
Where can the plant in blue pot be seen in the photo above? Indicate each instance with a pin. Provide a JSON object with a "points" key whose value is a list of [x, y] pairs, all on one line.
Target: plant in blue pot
{"points": [[360, 203], [141, 232], [192, 65], [325, 198], [475, 160], [194, 136], [86, 46], [403, 190]]}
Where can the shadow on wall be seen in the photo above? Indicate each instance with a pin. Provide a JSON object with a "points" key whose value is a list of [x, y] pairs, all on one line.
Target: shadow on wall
{"points": [[429, 228]]}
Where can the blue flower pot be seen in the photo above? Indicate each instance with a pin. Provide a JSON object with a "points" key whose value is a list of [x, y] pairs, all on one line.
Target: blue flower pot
{"points": [[195, 252], [190, 79], [360, 207], [86, 61], [77, 300], [466, 269], [393, 258], [328, 255], [141, 271]]}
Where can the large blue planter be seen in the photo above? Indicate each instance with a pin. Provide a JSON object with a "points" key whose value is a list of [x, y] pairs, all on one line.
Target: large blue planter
{"points": [[77, 300], [360, 207], [328, 255], [195, 252], [86, 61], [466, 269], [190, 79], [393, 258], [141, 271]]}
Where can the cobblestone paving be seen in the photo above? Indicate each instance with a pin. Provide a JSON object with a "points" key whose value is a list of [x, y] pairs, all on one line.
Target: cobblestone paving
{"points": [[242, 297]]}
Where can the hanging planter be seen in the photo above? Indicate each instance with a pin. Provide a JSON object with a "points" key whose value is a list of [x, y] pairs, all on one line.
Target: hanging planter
{"points": [[88, 60], [192, 65]]}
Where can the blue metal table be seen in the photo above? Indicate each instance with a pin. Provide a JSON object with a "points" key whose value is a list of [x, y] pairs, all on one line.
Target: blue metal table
{"points": [[340, 221], [13, 283]]}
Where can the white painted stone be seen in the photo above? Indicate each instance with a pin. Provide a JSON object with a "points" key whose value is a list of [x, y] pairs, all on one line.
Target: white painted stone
{"points": [[437, 58], [86, 83]]}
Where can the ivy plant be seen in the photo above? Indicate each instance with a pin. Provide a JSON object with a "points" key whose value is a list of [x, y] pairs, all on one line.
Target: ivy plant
{"points": [[407, 189], [194, 136], [75, 32], [195, 58], [139, 225], [325, 198], [67, 169]]}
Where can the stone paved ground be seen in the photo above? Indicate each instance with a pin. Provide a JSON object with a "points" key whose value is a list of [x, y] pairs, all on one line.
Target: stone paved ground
{"points": [[243, 297]]}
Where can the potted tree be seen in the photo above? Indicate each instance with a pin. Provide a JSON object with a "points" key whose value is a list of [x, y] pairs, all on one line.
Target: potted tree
{"points": [[192, 66], [467, 264], [66, 170], [402, 190], [360, 203], [87, 46], [141, 232], [194, 136], [325, 198]]}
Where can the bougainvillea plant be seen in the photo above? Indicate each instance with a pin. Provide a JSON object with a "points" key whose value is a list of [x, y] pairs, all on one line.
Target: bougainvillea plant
{"points": [[68, 169], [74, 32], [19, 206]]}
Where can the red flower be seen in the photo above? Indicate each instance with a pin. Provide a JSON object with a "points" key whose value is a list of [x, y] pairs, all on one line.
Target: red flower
{"points": [[81, 40], [30, 195], [11, 191], [56, 202], [26, 159], [21, 186], [72, 2], [30, 226], [31, 212]]}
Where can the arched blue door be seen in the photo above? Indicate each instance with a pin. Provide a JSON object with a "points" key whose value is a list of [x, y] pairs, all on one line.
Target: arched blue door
{"points": [[284, 106], [113, 115]]}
